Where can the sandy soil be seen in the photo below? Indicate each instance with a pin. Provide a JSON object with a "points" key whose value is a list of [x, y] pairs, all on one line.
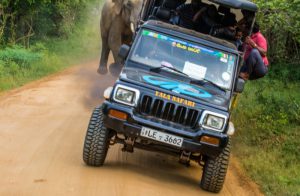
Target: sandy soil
{"points": [[42, 128]]}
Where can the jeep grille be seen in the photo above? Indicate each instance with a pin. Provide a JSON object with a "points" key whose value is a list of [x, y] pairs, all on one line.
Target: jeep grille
{"points": [[168, 111]]}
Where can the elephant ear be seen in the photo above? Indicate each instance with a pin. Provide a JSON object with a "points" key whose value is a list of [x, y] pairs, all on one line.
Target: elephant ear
{"points": [[118, 6]]}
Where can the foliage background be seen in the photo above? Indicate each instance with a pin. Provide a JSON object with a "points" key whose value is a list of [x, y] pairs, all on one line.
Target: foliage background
{"points": [[267, 118], [39, 37], [25, 21], [280, 22]]}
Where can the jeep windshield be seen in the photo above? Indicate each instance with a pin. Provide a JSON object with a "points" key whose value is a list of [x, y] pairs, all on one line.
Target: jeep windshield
{"points": [[196, 61]]}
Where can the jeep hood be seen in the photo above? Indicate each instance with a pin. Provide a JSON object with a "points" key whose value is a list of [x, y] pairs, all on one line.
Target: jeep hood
{"points": [[205, 94]]}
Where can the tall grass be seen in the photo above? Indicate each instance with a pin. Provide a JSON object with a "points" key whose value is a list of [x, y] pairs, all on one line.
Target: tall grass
{"points": [[268, 130], [49, 55]]}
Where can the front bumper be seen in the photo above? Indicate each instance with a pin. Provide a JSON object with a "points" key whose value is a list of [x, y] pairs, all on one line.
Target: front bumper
{"points": [[191, 139]]}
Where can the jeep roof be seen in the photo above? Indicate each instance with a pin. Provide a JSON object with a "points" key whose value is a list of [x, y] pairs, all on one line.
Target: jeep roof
{"points": [[237, 4]]}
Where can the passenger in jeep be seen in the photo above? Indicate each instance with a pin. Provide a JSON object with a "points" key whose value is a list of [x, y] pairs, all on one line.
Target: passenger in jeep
{"points": [[238, 39], [255, 60], [206, 18], [247, 19], [187, 13], [227, 30]]}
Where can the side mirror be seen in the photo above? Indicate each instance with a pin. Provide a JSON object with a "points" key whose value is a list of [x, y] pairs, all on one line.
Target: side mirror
{"points": [[239, 85], [124, 51]]}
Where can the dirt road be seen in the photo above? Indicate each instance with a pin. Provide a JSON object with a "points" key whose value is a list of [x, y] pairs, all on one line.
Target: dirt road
{"points": [[42, 127]]}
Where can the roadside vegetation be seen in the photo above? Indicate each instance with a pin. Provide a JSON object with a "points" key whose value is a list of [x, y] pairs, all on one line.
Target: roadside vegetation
{"points": [[38, 38], [267, 141], [267, 118]]}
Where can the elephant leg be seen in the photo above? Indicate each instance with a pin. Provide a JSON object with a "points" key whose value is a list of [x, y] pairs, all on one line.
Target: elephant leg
{"points": [[115, 51], [115, 42], [104, 56]]}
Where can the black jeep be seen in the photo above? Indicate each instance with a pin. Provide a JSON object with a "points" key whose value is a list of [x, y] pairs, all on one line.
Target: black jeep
{"points": [[174, 95]]}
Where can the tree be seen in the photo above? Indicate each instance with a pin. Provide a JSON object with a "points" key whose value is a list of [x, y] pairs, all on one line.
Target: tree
{"points": [[280, 22], [21, 20]]}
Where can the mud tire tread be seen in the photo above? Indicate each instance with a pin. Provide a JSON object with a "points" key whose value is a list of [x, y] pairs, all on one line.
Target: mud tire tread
{"points": [[96, 142], [214, 171]]}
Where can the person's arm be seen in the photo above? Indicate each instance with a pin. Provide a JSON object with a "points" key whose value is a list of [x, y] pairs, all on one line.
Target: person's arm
{"points": [[262, 50], [241, 22], [198, 14]]}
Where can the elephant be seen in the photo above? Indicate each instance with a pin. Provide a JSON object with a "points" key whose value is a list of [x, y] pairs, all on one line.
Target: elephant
{"points": [[117, 20]]}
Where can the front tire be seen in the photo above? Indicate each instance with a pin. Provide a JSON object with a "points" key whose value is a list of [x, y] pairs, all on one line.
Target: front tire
{"points": [[96, 140], [214, 171]]}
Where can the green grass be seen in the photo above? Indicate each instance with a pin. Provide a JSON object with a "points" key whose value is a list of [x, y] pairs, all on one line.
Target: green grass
{"points": [[19, 66], [267, 142]]}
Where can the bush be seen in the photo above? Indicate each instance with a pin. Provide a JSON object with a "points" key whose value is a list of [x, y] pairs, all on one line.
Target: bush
{"points": [[2, 68], [20, 64], [27, 20], [280, 23], [285, 72], [20, 56], [268, 123]]}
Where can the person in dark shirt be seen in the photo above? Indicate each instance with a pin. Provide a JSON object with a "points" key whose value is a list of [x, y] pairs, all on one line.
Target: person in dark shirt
{"points": [[187, 13], [238, 39], [228, 31], [205, 19], [247, 19]]}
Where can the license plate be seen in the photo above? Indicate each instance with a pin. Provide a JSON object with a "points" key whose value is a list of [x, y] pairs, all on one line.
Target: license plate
{"points": [[161, 137]]}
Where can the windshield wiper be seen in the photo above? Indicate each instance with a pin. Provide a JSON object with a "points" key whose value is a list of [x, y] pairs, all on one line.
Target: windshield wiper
{"points": [[205, 81], [155, 69]]}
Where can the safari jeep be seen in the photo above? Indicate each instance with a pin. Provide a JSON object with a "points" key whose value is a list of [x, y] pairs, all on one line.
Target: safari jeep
{"points": [[174, 95]]}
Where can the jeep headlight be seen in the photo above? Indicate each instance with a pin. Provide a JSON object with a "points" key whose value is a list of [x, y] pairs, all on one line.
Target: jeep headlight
{"points": [[214, 121], [126, 95]]}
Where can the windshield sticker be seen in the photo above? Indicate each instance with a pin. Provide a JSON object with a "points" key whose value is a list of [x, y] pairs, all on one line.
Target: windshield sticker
{"points": [[188, 48], [179, 45], [226, 76], [223, 60], [194, 70], [185, 45], [177, 87]]}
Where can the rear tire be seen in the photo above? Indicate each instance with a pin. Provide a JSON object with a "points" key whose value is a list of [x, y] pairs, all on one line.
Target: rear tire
{"points": [[96, 140], [214, 171]]}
